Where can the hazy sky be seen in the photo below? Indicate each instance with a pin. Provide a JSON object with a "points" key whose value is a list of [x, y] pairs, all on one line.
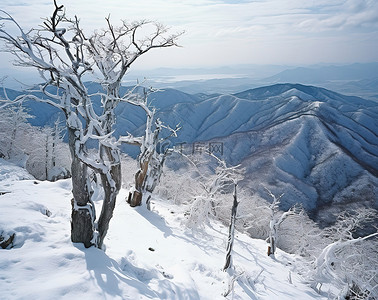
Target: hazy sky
{"points": [[227, 32]]}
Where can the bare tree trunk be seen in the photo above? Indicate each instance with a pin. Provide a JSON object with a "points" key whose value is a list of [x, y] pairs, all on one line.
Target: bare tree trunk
{"points": [[155, 171], [272, 239], [111, 184], [55, 141], [147, 177], [135, 197], [231, 233], [12, 141], [82, 218], [47, 156]]}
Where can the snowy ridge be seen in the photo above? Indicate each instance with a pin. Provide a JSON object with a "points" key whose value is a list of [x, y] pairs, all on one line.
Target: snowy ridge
{"points": [[312, 155], [307, 142], [149, 254]]}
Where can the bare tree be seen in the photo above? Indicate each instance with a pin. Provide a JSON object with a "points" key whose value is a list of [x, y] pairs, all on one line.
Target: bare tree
{"points": [[231, 232], [178, 185], [150, 161], [47, 145], [63, 55], [207, 185], [14, 117], [233, 175], [265, 219], [36, 149], [300, 235], [277, 217], [57, 137]]}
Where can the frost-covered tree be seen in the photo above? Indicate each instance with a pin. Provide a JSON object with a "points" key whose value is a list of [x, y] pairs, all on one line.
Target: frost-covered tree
{"points": [[213, 183], [227, 175], [300, 235], [57, 137], [277, 217], [36, 149], [179, 185], [14, 117], [63, 54], [48, 155], [263, 219], [150, 160], [349, 263], [57, 169]]}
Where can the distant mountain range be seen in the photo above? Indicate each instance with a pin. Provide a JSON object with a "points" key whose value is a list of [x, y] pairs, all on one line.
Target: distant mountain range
{"points": [[318, 147], [354, 79], [359, 79], [353, 72]]}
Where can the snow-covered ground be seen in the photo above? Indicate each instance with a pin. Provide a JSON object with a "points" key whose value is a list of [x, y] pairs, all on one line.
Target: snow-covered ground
{"points": [[149, 254]]}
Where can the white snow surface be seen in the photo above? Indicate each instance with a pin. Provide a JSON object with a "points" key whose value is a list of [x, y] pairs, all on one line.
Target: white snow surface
{"points": [[10, 172], [184, 264]]}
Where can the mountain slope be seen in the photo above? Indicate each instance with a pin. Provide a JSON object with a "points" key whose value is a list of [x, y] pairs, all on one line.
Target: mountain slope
{"points": [[149, 254], [313, 145], [316, 146]]}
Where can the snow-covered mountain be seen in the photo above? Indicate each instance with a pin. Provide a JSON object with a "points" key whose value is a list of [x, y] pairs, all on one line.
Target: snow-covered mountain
{"points": [[355, 79], [316, 146]]}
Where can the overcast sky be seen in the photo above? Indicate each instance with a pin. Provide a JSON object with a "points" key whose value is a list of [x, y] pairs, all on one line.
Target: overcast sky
{"points": [[228, 32]]}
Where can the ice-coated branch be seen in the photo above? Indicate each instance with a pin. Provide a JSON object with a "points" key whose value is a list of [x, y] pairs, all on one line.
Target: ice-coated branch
{"points": [[9, 102], [173, 131], [23, 44], [47, 101], [130, 139], [115, 49]]}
